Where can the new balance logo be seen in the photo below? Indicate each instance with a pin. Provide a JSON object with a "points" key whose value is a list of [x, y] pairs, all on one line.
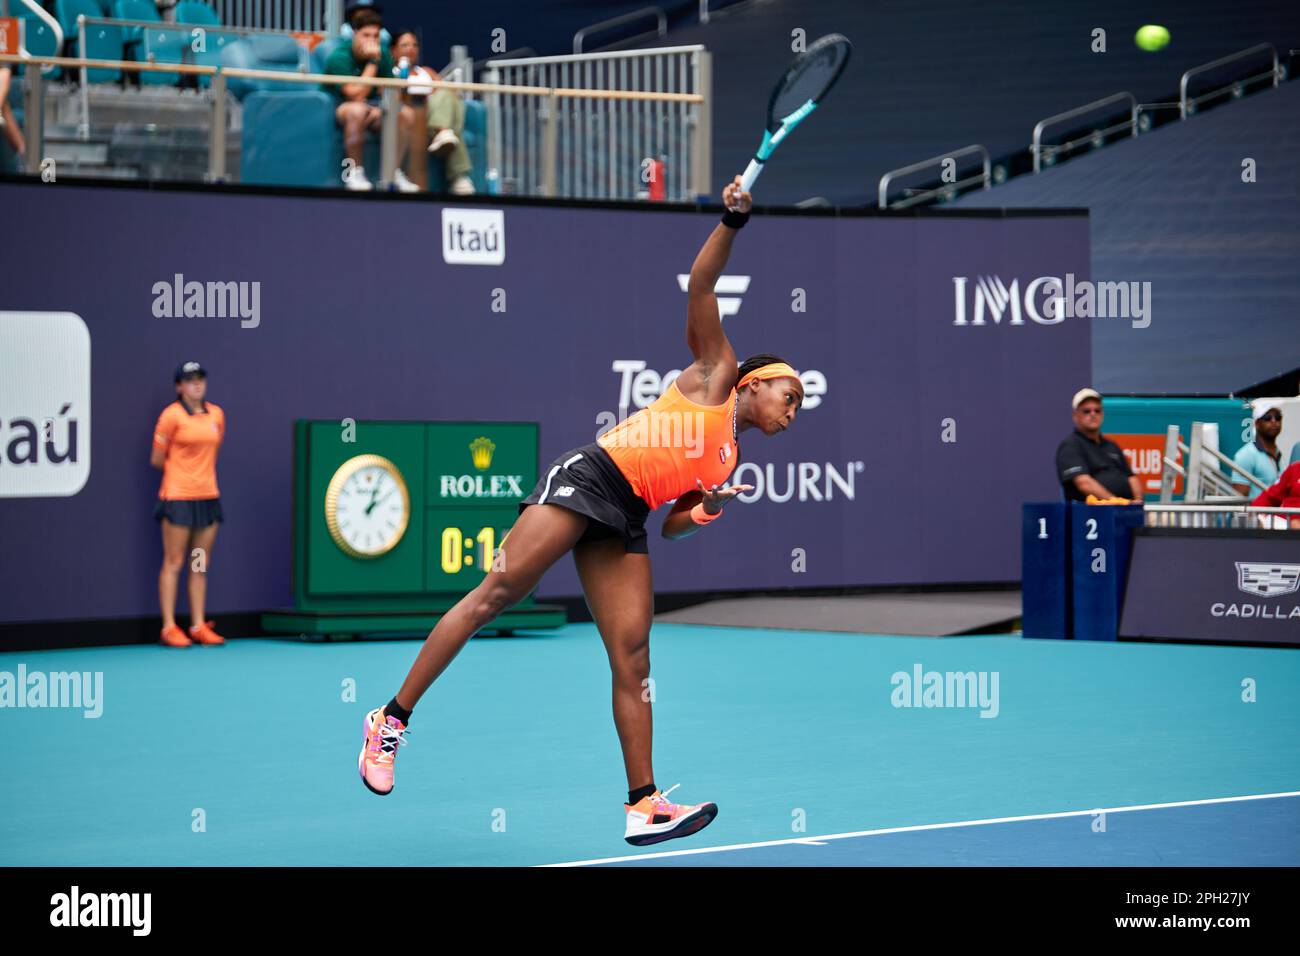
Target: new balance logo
{"points": [[729, 289], [563, 492]]}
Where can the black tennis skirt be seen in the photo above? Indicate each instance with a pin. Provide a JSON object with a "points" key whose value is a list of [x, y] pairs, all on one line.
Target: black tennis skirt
{"points": [[192, 514], [587, 481]]}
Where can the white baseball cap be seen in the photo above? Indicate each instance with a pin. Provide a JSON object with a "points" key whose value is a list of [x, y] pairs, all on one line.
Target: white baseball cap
{"points": [[1265, 405], [1083, 395]]}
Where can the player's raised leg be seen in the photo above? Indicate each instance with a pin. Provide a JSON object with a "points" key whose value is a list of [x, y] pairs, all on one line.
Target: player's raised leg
{"points": [[539, 538]]}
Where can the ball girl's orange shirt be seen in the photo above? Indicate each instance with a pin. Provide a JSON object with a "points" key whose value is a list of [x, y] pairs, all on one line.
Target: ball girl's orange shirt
{"points": [[190, 441]]}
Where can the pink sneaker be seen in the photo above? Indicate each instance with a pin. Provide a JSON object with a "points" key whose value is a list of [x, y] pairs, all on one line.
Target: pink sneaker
{"points": [[382, 736], [654, 819]]}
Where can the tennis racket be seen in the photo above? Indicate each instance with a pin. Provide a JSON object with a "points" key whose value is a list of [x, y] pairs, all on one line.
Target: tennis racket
{"points": [[802, 87]]}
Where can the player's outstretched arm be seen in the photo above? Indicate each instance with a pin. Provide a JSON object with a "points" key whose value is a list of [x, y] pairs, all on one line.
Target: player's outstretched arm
{"points": [[704, 335]]}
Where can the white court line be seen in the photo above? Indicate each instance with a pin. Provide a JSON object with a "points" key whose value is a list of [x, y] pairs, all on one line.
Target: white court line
{"points": [[816, 840]]}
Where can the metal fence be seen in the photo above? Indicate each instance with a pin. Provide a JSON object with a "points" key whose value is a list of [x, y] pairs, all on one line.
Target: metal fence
{"points": [[311, 15], [1221, 516], [603, 148]]}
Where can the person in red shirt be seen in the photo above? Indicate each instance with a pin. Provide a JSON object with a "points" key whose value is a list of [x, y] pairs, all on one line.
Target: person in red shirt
{"points": [[1284, 493], [185, 442]]}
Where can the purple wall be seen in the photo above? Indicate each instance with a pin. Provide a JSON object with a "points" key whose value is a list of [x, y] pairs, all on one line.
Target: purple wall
{"points": [[361, 317]]}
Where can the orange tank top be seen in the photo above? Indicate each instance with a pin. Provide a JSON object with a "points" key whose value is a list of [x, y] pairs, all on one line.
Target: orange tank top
{"points": [[665, 446]]}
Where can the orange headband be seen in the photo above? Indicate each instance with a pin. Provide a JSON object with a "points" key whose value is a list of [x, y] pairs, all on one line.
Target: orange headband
{"points": [[775, 370]]}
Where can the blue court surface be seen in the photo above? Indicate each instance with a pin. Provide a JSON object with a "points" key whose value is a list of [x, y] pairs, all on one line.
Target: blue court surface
{"points": [[246, 754]]}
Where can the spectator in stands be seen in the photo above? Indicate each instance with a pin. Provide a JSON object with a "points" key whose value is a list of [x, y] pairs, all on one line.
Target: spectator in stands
{"points": [[1284, 493], [358, 109], [185, 442], [1089, 463], [445, 112], [350, 11], [1261, 458], [8, 124]]}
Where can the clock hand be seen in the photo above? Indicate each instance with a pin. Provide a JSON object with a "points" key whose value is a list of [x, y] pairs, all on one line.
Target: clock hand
{"points": [[370, 507]]}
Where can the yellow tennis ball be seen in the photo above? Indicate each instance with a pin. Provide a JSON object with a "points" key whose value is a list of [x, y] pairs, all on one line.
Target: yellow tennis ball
{"points": [[1151, 38]]}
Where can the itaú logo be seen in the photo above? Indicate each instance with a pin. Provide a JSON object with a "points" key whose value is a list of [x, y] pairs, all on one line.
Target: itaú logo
{"points": [[991, 300]]}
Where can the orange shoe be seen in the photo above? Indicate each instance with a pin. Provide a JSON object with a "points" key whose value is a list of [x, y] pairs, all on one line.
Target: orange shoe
{"points": [[654, 819], [204, 634], [174, 637]]}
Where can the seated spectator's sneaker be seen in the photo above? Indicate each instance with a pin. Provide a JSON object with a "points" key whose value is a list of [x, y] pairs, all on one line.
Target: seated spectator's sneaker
{"points": [[403, 184], [357, 181], [463, 186], [444, 142], [654, 819], [381, 736], [203, 633], [174, 637]]}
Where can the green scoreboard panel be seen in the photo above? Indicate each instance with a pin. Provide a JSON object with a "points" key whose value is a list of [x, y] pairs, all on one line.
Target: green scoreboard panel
{"points": [[395, 521]]}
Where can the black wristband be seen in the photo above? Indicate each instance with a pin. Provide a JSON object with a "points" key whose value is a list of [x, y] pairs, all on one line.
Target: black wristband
{"points": [[735, 220]]}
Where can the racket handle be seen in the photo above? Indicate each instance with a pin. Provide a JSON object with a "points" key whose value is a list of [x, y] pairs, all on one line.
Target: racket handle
{"points": [[751, 174]]}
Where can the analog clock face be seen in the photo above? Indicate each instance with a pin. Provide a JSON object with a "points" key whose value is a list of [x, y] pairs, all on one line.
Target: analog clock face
{"points": [[367, 507]]}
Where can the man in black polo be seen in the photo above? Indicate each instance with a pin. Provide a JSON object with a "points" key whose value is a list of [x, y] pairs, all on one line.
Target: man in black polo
{"points": [[1089, 463]]}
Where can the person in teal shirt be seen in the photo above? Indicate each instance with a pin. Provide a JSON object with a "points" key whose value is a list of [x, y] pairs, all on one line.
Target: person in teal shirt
{"points": [[358, 109], [1261, 458]]}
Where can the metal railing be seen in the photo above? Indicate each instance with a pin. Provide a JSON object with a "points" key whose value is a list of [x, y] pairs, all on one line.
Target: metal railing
{"points": [[592, 148], [1202, 476], [390, 87], [705, 12], [153, 31], [1220, 516], [44, 15], [949, 190], [1188, 104], [313, 15], [1093, 136], [661, 26]]}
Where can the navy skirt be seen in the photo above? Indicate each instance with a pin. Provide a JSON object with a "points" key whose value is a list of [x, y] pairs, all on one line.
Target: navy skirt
{"points": [[191, 514], [587, 481]]}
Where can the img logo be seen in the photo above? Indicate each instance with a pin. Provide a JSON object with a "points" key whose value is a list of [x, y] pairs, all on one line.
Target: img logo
{"points": [[475, 237], [44, 404], [1047, 300]]}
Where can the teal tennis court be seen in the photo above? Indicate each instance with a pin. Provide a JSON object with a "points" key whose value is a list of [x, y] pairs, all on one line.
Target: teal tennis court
{"points": [[246, 754]]}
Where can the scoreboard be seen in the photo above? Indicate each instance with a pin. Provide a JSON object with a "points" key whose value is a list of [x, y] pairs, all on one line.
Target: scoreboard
{"points": [[395, 521]]}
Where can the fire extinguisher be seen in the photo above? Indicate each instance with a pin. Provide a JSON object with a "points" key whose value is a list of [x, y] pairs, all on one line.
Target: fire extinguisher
{"points": [[656, 185]]}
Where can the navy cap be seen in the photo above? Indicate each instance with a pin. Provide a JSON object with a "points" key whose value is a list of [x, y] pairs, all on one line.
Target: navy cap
{"points": [[352, 6], [190, 368]]}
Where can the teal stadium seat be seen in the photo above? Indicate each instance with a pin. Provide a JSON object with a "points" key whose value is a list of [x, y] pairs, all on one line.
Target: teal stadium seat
{"points": [[40, 38], [262, 53], [165, 43], [103, 42], [196, 14], [134, 10], [292, 139]]}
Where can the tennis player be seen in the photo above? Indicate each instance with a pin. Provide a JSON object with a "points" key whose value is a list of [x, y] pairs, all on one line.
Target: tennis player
{"points": [[185, 442], [593, 501]]}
